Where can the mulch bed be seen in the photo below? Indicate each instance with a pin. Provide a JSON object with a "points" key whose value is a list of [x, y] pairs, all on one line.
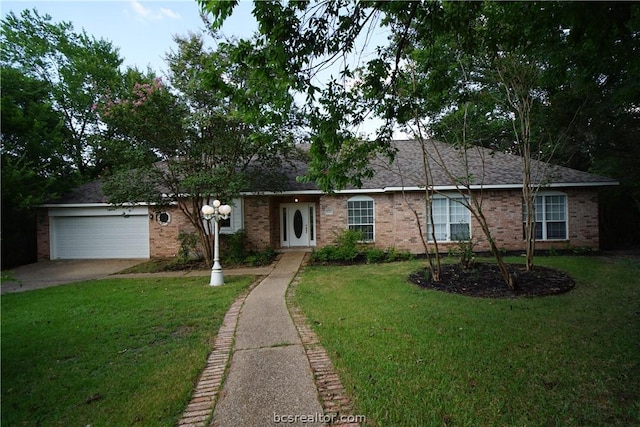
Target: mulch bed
{"points": [[484, 281]]}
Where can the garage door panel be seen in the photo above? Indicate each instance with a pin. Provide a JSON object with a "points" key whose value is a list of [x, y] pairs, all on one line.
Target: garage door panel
{"points": [[100, 237]]}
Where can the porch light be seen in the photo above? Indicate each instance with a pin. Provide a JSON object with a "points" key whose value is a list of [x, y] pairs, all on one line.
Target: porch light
{"points": [[216, 213]]}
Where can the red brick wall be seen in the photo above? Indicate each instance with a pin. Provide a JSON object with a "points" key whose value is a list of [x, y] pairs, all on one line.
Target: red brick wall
{"points": [[257, 221], [42, 224], [503, 211], [396, 226], [395, 223], [163, 239], [331, 218], [583, 217]]}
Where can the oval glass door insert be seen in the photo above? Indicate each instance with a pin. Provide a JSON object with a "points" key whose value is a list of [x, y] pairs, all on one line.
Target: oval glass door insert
{"points": [[297, 223]]}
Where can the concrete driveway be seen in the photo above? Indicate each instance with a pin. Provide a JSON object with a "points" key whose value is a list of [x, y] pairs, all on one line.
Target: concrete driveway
{"points": [[51, 273]]}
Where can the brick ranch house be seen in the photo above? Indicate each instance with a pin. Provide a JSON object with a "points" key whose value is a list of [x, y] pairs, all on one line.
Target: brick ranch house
{"points": [[83, 225]]}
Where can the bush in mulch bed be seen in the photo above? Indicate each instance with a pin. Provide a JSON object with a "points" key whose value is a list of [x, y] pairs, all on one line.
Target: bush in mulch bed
{"points": [[484, 280]]}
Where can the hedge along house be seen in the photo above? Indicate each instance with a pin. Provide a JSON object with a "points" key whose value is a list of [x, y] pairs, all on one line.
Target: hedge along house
{"points": [[385, 208]]}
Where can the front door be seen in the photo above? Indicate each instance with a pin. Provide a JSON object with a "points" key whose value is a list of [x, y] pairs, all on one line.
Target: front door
{"points": [[297, 225]]}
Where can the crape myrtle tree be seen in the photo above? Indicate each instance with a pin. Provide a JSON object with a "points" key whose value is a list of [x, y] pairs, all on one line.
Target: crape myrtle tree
{"points": [[579, 108], [211, 132], [485, 95], [499, 82]]}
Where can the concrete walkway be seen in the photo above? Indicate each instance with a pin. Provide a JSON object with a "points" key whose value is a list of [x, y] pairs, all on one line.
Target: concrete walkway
{"points": [[276, 372], [269, 375]]}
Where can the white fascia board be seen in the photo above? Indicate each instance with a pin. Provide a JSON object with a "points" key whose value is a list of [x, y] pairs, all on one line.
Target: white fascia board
{"points": [[583, 184], [500, 186], [74, 205], [419, 188], [107, 210], [89, 205], [97, 205], [281, 193]]}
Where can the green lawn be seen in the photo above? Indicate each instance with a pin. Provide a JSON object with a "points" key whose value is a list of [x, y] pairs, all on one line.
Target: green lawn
{"points": [[112, 352], [410, 356]]}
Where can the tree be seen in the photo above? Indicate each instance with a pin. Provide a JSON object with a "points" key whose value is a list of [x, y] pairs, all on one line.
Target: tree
{"points": [[212, 134], [78, 70], [32, 135], [51, 136], [33, 161], [585, 90]]}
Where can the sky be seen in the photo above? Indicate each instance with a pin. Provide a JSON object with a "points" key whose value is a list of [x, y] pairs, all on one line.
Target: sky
{"points": [[142, 30]]}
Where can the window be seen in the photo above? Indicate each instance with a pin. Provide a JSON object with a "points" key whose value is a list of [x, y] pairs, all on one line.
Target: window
{"points": [[360, 216], [164, 218], [551, 216], [451, 219]]}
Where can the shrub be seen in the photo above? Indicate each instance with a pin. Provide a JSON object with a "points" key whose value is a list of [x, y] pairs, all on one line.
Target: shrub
{"points": [[349, 238], [464, 250], [348, 249], [189, 246], [238, 252], [265, 257], [375, 255], [344, 250], [394, 255], [235, 246]]}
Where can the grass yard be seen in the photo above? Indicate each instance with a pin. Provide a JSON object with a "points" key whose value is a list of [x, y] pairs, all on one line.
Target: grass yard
{"points": [[113, 352], [416, 357]]}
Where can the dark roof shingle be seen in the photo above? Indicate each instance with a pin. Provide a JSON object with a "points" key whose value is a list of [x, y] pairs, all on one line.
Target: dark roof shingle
{"points": [[482, 167]]}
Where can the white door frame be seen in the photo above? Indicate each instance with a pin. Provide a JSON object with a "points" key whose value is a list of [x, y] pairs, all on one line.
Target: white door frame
{"points": [[297, 225]]}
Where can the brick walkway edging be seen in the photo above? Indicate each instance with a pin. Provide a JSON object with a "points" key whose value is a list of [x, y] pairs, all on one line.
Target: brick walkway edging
{"points": [[333, 397], [203, 401]]}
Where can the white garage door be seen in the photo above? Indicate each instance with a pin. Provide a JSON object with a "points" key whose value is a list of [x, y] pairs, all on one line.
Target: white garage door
{"points": [[85, 237]]}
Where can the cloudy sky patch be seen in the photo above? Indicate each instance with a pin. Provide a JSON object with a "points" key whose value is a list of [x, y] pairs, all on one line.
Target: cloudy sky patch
{"points": [[149, 14]]}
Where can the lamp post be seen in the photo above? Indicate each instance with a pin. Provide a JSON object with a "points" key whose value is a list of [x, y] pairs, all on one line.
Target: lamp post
{"points": [[216, 213]]}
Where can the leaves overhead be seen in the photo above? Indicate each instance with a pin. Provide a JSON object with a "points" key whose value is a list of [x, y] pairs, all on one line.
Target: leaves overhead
{"points": [[584, 56]]}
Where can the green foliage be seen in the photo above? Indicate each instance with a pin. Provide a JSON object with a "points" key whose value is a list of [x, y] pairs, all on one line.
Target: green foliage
{"points": [[344, 250], [51, 136], [33, 152], [349, 238], [348, 249], [190, 247], [235, 246], [236, 250], [395, 255], [259, 258], [77, 69], [454, 66], [217, 126], [464, 251], [375, 255]]}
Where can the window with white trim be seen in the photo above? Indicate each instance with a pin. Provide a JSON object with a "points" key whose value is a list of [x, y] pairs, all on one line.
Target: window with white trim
{"points": [[551, 216], [360, 216], [451, 219]]}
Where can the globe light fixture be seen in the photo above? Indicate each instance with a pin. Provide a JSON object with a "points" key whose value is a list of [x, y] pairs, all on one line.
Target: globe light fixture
{"points": [[215, 213]]}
